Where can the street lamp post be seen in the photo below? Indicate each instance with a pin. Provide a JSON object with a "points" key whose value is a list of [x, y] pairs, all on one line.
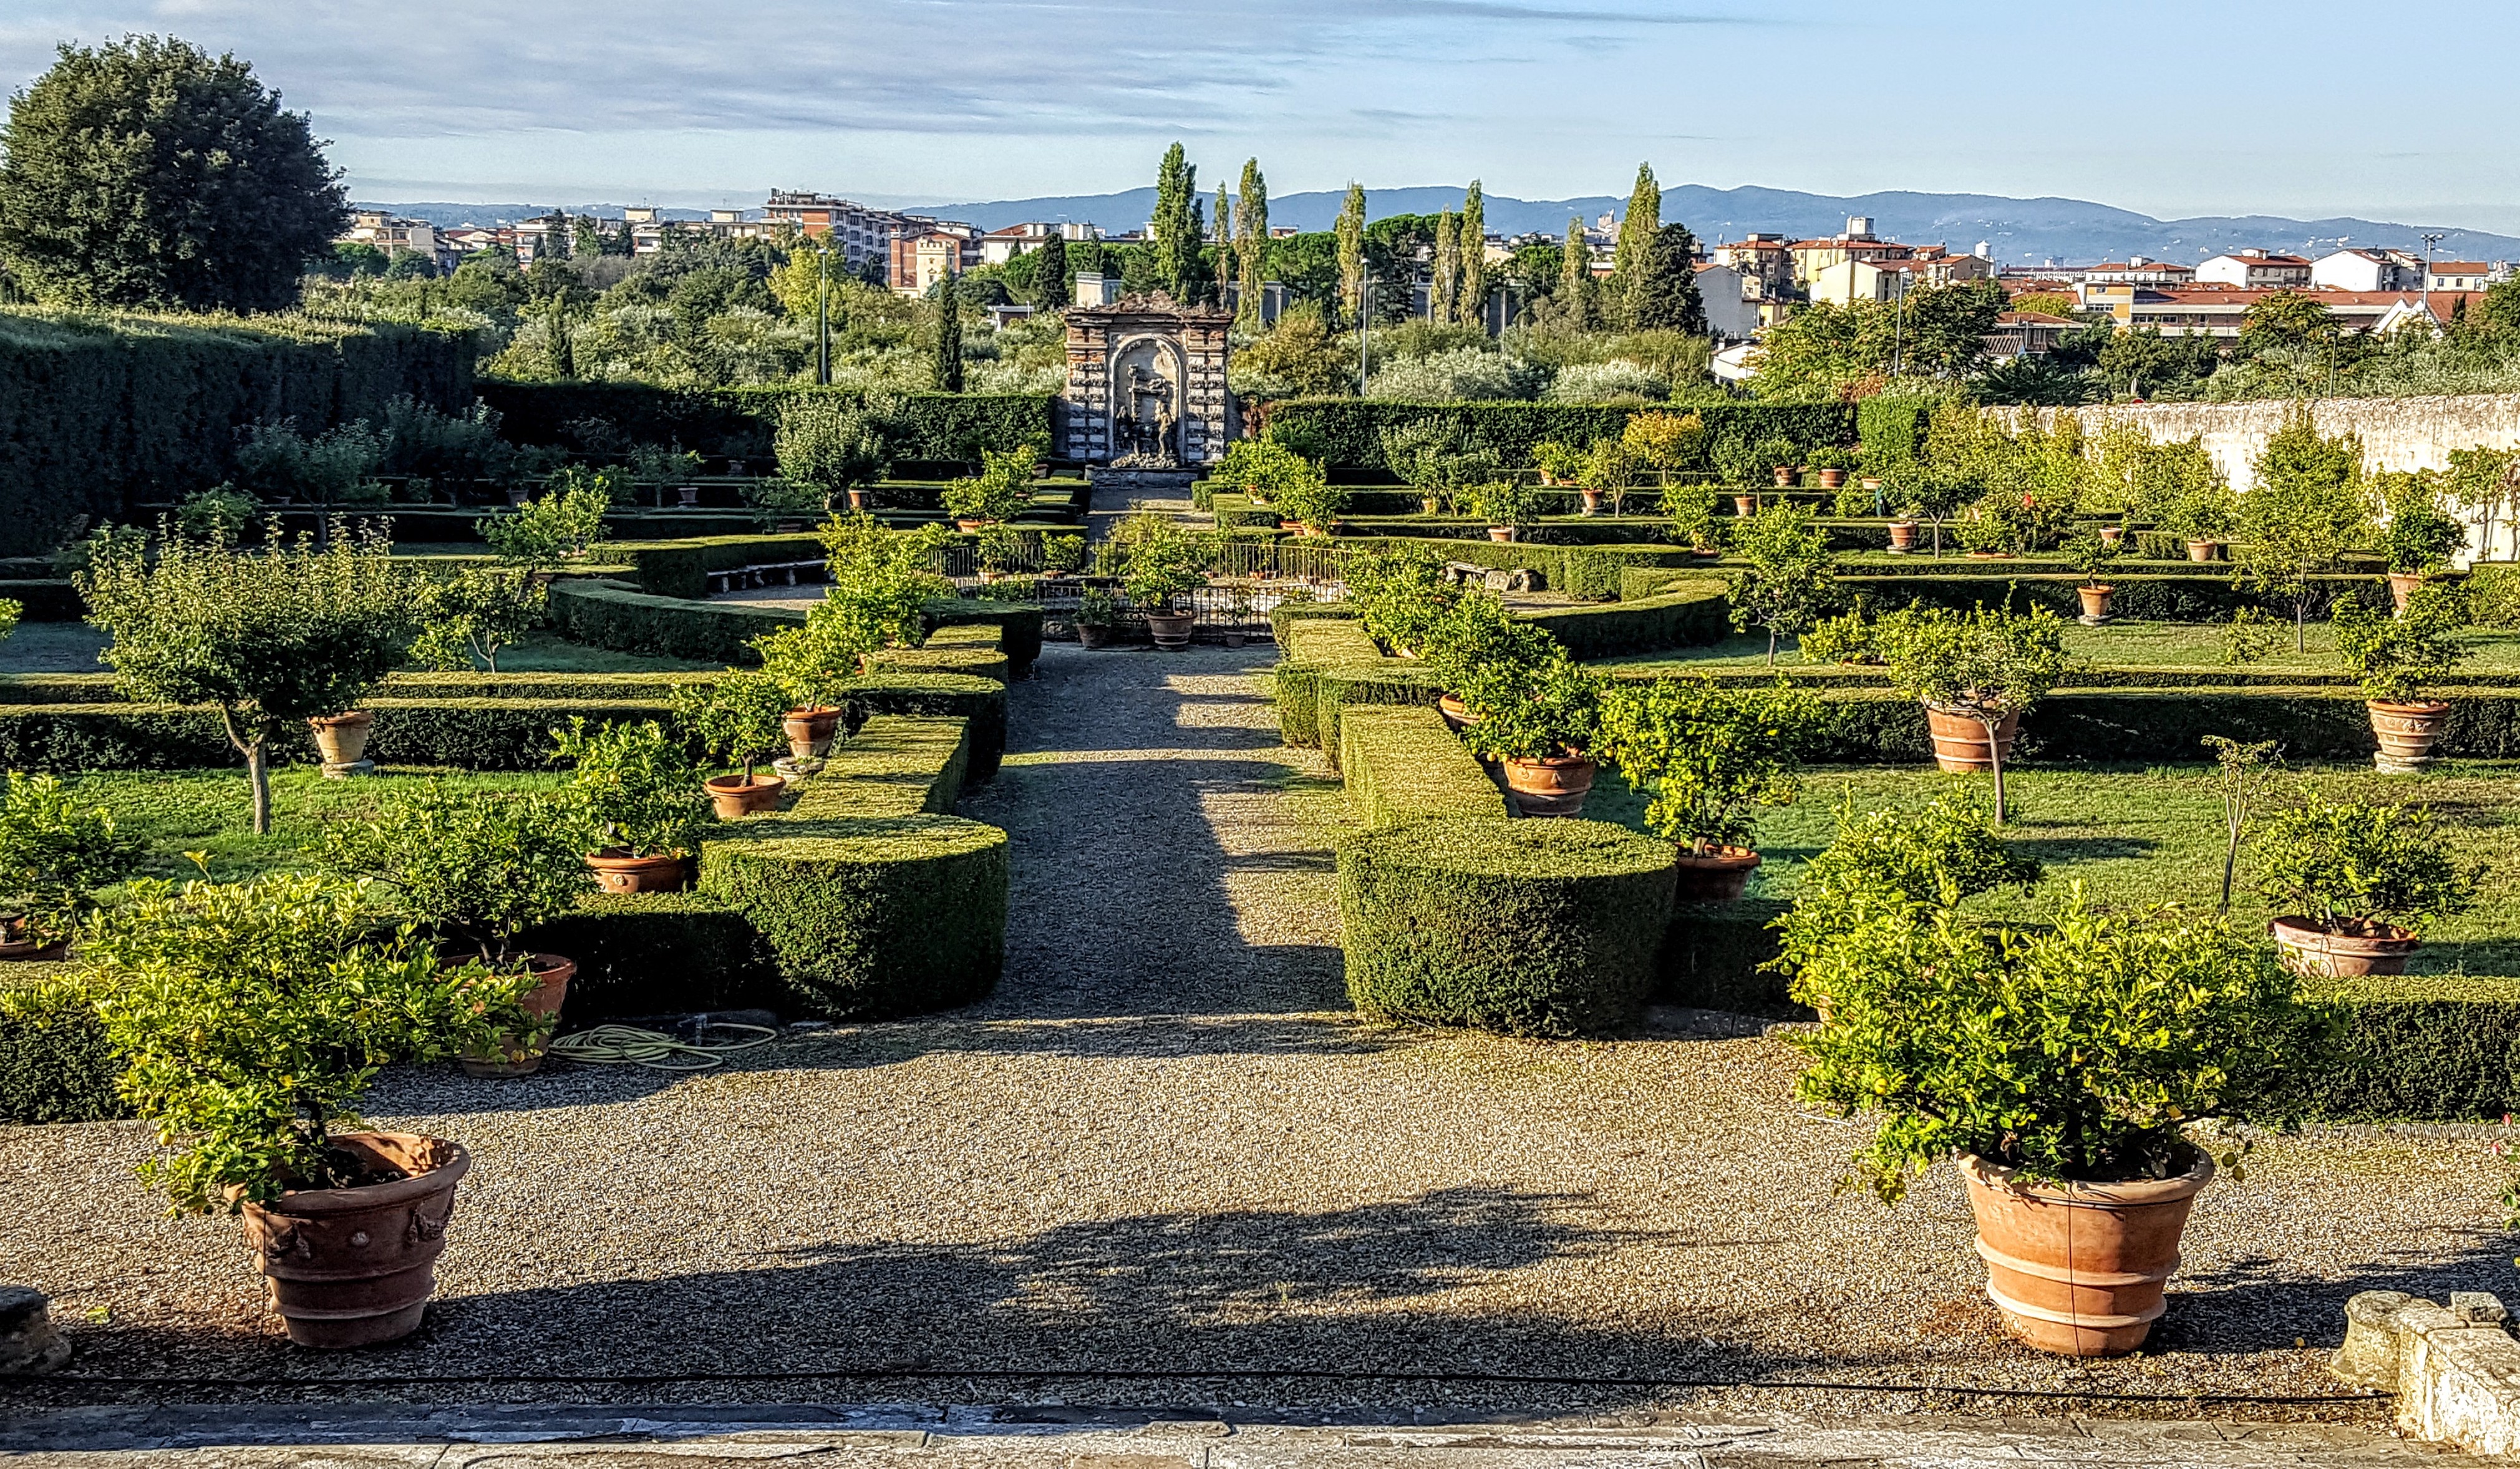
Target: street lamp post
{"points": [[823, 315], [1364, 317], [2425, 299]]}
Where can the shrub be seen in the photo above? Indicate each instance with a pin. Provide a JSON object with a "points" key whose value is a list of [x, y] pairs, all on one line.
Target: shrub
{"points": [[1399, 593], [1002, 491], [1691, 508], [1306, 495], [1981, 663], [1258, 468], [564, 525], [2351, 867], [738, 718], [882, 581], [1476, 638], [2395, 659], [1789, 581], [635, 787], [1545, 712], [1563, 464], [2082, 1052], [2419, 536], [1503, 502], [54, 856], [271, 638], [1848, 638], [1708, 755], [1162, 562], [472, 614], [334, 466], [830, 447], [1538, 928], [2208, 512], [253, 1016], [1926, 861], [218, 513], [472, 868], [1063, 554]]}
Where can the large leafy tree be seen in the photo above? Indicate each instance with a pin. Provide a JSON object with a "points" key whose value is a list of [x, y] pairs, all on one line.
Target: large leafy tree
{"points": [[1251, 246], [1662, 296], [1471, 306], [1635, 240], [146, 173], [2308, 506]]}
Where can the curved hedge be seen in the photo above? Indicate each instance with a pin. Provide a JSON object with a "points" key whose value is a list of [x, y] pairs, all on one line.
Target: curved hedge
{"points": [[1346, 430], [1532, 928]]}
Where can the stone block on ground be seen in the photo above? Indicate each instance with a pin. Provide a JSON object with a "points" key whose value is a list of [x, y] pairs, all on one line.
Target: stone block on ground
{"points": [[28, 1340]]}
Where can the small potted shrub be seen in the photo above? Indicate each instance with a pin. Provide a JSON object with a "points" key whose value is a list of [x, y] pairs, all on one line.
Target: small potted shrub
{"points": [[1781, 458], [2357, 881], [1002, 491], [2202, 519], [1164, 564], [252, 1018], [1976, 673], [1306, 497], [1003, 551], [1559, 464], [1476, 641], [640, 796], [813, 667], [2395, 659], [1832, 462], [1237, 609], [1540, 724], [1062, 555], [1507, 505], [1097, 614], [54, 856], [1709, 757], [1848, 638], [475, 870], [2070, 1069], [1691, 508], [1788, 575], [2091, 554], [738, 718], [2419, 539]]}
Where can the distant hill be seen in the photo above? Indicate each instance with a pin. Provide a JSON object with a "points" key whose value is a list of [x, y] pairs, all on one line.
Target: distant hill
{"points": [[2017, 231]]}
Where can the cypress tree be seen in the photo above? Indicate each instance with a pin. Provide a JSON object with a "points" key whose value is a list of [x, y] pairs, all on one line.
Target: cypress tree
{"points": [[1448, 268], [1351, 252], [1175, 230], [1575, 277], [1253, 218], [1471, 309], [949, 338], [1050, 289], [1224, 237], [1635, 240], [1666, 295]]}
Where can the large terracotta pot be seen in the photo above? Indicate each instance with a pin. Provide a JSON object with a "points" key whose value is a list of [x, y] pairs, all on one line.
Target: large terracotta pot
{"points": [[733, 797], [355, 1266], [2080, 1269], [1785, 476], [1500, 532], [1554, 786], [1592, 500], [2110, 535], [2403, 585], [1170, 630], [515, 1057], [2095, 603], [1903, 535], [810, 732], [971, 527], [2307, 949], [1094, 634], [1456, 713], [1959, 739], [687, 496], [2406, 733], [1746, 506], [2204, 551], [857, 500], [16, 944], [1830, 479], [618, 872], [1715, 876], [343, 738]]}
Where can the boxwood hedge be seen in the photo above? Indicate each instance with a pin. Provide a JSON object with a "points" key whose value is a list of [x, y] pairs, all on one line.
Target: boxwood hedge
{"points": [[738, 421], [1403, 763], [1537, 928], [1347, 429]]}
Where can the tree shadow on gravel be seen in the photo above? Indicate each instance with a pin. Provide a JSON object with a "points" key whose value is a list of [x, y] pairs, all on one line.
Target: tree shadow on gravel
{"points": [[2256, 1303]]}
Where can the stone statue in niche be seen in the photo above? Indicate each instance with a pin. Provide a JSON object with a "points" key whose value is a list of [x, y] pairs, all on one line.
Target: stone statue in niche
{"points": [[1147, 427]]}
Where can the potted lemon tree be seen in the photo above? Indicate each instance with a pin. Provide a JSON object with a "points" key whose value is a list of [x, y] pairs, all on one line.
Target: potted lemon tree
{"points": [[54, 856], [1540, 723], [640, 797], [2352, 882], [738, 718], [1709, 758], [2396, 660], [1976, 673]]}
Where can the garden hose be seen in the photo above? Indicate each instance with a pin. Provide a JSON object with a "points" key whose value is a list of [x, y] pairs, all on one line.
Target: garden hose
{"points": [[629, 1046]]}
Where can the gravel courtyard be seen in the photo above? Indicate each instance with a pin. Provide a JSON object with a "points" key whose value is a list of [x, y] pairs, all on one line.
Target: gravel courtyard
{"points": [[1165, 1147]]}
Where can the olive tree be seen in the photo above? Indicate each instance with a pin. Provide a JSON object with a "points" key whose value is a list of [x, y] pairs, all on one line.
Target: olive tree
{"points": [[273, 635]]}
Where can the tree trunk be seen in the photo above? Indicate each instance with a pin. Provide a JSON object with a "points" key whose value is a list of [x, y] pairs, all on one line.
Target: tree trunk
{"points": [[1995, 757], [257, 769], [1772, 647], [2300, 619]]}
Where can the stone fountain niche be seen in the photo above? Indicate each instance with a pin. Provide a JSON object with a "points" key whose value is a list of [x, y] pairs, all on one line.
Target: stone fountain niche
{"points": [[1145, 400]]}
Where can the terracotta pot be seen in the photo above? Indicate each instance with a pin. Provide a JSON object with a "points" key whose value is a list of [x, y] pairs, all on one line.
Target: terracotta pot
{"points": [[969, 528], [343, 738], [1832, 479], [1903, 535], [2080, 1269], [2376, 948], [857, 500], [15, 945], [810, 732], [2095, 603], [1959, 739], [618, 872], [1870, 481], [1500, 532], [1429, 504], [1715, 876], [1990, 556], [1554, 786], [2403, 585], [2110, 535], [1236, 639], [1592, 500], [2204, 551], [355, 1266], [1746, 506], [514, 1057], [518, 495], [2407, 733], [1785, 476], [733, 797], [1170, 630], [1456, 713], [687, 496], [1093, 636]]}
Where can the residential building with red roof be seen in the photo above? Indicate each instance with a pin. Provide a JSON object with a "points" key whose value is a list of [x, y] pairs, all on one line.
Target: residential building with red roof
{"points": [[2254, 270]]}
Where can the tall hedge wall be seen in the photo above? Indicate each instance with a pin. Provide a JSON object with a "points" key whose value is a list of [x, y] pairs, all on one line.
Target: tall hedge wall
{"points": [[1347, 429], [99, 412], [738, 421]]}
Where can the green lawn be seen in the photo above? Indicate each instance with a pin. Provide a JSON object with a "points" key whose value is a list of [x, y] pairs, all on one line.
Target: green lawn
{"points": [[2136, 837], [2119, 645], [176, 812], [72, 646]]}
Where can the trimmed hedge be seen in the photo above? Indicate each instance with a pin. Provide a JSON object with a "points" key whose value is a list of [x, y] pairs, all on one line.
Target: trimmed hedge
{"points": [[99, 410], [55, 1065], [1403, 763], [609, 614], [1871, 727], [1891, 429], [1348, 429], [737, 422], [1686, 615], [2142, 598], [682, 567], [1019, 625], [45, 601], [1534, 928]]}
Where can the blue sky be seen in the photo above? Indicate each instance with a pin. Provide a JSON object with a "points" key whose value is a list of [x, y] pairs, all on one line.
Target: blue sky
{"points": [[2308, 108]]}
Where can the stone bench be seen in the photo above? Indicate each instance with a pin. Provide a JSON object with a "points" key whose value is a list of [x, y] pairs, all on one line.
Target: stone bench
{"points": [[2454, 1369]]}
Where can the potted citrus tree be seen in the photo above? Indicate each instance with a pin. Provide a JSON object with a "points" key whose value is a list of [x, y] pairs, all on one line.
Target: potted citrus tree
{"points": [[1164, 563], [640, 797], [1062, 555], [2420, 537], [1783, 458], [2353, 881], [1709, 758], [1832, 462], [2091, 554], [814, 666], [1475, 643], [1541, 724], [54, 856], [1976, 673], [1002, 491], [474, 869], [1304, 495], [2070, 1069], [250, 1019], [1789, 579], [738, 718], [2203, 519], [2394, 660], [1507, 505], [1097, 612]]}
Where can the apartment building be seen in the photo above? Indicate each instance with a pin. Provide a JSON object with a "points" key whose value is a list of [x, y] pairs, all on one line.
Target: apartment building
{"points": [[1850, 281], [2459, 275], [2221, 310], [862, 232], [1765, 261], [2369, 270], [998, 247], [2254, 270], [916, 261], [2134, 270], [1857, 243], [391, 233]]}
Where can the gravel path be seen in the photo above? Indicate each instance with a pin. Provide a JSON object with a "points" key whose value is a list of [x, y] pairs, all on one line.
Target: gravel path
{"points": [[1164, 1145]]}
